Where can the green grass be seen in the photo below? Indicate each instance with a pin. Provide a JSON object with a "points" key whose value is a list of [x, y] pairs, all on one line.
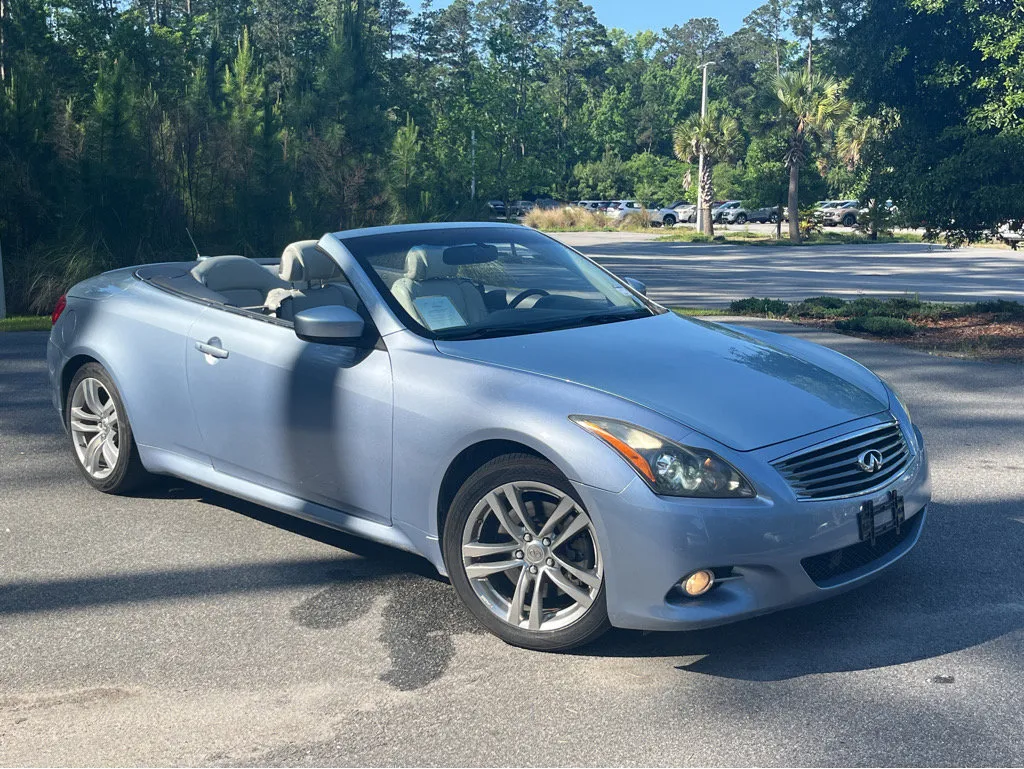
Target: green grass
{"points": [[26, 323]]}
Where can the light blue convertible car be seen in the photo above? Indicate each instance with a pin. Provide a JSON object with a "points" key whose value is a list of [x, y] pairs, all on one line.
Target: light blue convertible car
{"points": [[570, 454]]}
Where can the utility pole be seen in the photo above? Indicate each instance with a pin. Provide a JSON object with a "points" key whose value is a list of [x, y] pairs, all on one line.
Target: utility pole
{"points": [[472, 161], [702, 212]]}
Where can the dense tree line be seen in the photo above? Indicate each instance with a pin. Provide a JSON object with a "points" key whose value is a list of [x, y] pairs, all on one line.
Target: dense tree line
{"points": [[255, 122]]}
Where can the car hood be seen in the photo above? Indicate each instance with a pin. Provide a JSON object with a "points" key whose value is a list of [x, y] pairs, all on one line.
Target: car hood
{"points": [[743, 391]]}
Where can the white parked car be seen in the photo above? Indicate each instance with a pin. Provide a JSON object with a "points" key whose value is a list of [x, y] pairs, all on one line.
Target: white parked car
{"points": [[1010, 236], [658, 215], [685, 212]]}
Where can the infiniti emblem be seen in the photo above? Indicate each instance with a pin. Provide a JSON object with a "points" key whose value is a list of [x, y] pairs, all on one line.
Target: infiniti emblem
{"points": [[870, 461]]}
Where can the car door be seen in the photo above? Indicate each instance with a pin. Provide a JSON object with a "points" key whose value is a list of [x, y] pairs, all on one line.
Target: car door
{"points": [[312, 420]]}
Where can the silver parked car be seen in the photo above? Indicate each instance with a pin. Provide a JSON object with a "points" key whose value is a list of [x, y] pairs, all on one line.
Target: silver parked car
{"points": [[730, 212], [842, 212], [766, 215], [569, 453]]}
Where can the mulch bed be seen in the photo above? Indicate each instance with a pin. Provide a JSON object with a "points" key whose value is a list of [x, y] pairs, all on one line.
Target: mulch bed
{"points": [[977, 336]]}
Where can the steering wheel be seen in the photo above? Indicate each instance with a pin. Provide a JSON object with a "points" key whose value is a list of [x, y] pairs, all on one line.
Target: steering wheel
{"points": [[524, 294]]}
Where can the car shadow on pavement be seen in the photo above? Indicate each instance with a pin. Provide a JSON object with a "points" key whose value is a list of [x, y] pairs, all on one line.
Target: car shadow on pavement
{"points": [[939, 599]]}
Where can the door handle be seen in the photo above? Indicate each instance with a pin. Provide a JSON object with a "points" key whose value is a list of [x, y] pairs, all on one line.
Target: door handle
{"points": [[211, 348]]}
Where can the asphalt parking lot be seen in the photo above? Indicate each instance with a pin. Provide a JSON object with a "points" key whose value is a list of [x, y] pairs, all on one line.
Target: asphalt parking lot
{"points": [[705, 275], [184, 627]]}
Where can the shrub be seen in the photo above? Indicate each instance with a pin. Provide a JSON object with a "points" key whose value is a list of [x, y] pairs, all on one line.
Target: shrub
{"points": [[825, 302], [878, 325], [634, 222], [1003, 309], [755, 306], [865, 305], [51, 268], [902, 306], [565, 218]]}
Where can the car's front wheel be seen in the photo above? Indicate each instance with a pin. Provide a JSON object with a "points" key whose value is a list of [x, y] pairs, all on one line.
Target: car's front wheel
{"points": [[523, 555], [670, 221], [101, 435]]}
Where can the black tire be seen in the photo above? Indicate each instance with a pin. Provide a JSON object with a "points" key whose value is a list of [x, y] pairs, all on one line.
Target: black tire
{"points": [[773, 219], [741, 218], [127, 473], [514, 468], [849, 220], [670, 221]]}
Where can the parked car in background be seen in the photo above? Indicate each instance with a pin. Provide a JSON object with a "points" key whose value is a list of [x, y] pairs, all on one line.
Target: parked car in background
{"points": [[597, 206], [548, 204], [843, 212], [888, 206], [685, 212], [522, 207], [497, 207], [658, 215], [767, 215], [1011, 236], [730, 212], [818, 209]]}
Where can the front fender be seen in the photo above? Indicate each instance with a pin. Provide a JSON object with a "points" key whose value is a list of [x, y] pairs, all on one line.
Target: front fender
{"points": [[444, 405]]}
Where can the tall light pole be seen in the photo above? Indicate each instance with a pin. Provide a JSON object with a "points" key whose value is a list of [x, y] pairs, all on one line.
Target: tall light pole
{"points": [[702, 212]]}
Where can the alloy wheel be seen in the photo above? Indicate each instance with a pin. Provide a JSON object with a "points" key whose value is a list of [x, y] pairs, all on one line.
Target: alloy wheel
{"points": [[95, 430], [531, 555]]}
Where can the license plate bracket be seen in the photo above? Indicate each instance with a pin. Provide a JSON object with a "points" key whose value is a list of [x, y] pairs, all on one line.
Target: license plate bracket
{"points": [[870, 511]]}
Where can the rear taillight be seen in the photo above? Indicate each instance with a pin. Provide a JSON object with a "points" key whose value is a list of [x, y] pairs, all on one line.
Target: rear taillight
{"points": [[58, 309]]}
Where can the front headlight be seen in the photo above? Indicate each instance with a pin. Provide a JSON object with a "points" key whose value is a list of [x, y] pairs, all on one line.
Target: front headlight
{"points": [[667, 467]]}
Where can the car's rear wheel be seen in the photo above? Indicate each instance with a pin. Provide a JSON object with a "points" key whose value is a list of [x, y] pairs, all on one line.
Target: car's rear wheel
{"points": [[101, 435], [741, 218], [774, 218], [523, 555], [849, 220]]}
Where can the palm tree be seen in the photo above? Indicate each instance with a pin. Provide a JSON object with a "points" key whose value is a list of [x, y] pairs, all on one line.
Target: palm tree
{"points": [[718, 135], [814, 106]]}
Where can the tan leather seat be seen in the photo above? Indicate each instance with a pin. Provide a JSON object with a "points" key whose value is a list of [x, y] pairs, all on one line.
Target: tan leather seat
{"points": [[427, 275], [241, 281], [309, 269], [303, 263]]}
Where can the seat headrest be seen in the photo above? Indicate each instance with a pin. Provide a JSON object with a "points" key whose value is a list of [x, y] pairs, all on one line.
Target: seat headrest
{"points": [[228, 273], [303, 261], [427, 263]]}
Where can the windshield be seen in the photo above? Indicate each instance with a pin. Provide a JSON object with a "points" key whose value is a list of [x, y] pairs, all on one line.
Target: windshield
{"points": [[478, 282]]}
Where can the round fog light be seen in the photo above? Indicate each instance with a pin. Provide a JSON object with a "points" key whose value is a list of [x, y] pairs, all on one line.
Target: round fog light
{"points": [[699, 582]]}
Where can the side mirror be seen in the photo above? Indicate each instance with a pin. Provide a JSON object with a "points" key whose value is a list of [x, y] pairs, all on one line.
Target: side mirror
{"points": [[331, 323], [636, 285]]}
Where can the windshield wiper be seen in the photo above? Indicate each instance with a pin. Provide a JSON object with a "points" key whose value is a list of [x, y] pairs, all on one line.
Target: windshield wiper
{"points": [[611, 317], [571, 321]]}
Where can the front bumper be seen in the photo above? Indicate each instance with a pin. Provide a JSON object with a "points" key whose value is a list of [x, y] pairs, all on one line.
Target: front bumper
{"points": [[653, 542]]}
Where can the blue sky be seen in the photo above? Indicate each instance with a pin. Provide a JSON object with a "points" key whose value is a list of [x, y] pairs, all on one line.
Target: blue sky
{"points": [[634, 15]]}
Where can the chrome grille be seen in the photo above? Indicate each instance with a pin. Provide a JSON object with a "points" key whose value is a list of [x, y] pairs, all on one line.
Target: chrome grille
{"points": [[831, 470]]}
